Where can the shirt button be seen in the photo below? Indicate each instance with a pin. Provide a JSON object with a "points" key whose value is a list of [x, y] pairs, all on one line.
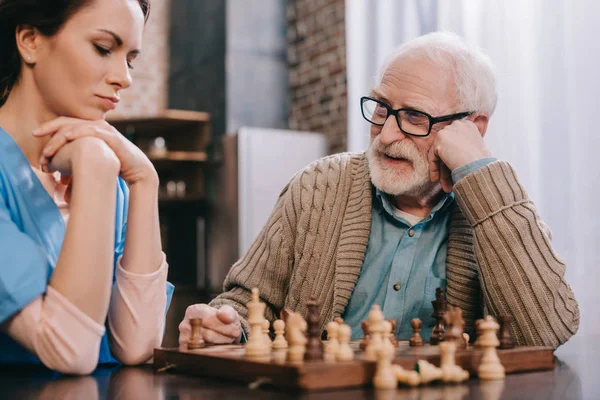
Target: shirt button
{"points": [[397, 287], [411, 233]]}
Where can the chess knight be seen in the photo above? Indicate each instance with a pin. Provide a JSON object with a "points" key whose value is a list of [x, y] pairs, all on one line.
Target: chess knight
{"points": [[427, 205]]}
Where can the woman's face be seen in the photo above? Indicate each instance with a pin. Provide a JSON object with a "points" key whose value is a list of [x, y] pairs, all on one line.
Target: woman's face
{"points": [[80, 71]]}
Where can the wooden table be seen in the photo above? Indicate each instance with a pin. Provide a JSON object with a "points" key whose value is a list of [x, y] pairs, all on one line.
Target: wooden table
{"points": [[576, 376]]}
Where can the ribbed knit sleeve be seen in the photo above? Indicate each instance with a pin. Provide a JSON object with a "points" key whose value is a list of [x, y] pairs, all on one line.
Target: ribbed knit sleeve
{"points": [[519, 273], [266, 265]]}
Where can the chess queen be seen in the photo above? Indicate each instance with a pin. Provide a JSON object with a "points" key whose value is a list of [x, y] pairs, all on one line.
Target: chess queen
{"points": [[76, 287]]}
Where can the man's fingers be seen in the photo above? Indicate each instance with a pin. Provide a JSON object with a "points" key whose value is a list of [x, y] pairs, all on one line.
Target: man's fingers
{"points": [[199, 311], [211, 336], [232, 329], [434, 169], [445, 178], [227, 315]]}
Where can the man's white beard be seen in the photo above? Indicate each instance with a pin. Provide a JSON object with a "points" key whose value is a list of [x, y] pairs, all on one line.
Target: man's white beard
{"points": [[395, 181]]}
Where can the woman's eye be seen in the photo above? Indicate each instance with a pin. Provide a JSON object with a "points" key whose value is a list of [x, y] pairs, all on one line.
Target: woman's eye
{"points": [[102, 50]]}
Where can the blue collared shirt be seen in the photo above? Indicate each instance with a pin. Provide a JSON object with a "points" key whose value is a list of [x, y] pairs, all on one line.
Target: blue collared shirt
{"points": [[31, 236], [404, 263]]}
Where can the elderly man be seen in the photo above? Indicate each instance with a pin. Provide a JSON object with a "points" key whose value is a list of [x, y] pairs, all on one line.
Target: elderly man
{"points": [[426, 206]]}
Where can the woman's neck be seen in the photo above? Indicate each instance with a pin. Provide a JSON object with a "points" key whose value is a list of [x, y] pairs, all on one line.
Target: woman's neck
{"points": [[22, 113]]}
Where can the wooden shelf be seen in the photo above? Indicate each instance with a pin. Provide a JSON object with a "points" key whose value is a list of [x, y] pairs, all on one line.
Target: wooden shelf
{"points": [[165, 116], [189, 156]]}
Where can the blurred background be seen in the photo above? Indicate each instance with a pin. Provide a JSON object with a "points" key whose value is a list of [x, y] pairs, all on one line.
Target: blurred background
{"points": [[232, 97]]}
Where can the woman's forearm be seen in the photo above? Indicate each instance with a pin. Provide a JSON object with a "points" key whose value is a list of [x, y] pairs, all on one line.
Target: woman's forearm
{"points": [[143, 249], [84, 270]]}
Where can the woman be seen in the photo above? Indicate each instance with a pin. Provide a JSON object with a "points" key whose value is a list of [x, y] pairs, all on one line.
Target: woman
{"points": [[76, 287]]}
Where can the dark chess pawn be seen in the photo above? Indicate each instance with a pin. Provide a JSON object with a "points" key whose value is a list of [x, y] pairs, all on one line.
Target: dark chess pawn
{"points": [[195, 341], [439, 309], [416, 340], [365, 340], [314, 347], [505, 332]]}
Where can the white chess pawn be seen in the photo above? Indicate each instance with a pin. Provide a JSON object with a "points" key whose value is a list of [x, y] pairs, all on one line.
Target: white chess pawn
{"points": [[345, 352], [265, 328], [375, 320], [428, 372], [385, 376], [406, 377], [450, 371], [490, 367], [332, 338], [279, 342]]}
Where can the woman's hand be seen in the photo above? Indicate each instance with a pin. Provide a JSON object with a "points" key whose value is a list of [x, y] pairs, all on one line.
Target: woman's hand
{"points": [[135, 166]]}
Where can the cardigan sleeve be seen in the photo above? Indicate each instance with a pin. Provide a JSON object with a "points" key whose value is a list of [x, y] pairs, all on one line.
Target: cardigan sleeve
{"points": [[519, 271]]}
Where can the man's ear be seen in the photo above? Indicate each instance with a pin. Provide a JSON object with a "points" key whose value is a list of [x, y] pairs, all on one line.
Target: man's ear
{"points": [[29, 41], [481, 121]]}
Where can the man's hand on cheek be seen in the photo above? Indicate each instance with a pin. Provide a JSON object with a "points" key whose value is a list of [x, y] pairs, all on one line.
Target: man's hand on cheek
{"points": [[458, 144]]}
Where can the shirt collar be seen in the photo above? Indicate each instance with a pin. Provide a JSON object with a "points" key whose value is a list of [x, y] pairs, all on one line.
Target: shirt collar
{"points": [[383, 203]]}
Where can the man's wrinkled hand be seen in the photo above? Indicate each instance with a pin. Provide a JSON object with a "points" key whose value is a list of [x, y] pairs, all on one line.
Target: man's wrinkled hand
{"points": [[219, 326]]}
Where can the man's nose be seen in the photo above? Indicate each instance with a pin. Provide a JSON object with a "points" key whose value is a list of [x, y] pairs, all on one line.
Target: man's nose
{"points": [[390, 132]]}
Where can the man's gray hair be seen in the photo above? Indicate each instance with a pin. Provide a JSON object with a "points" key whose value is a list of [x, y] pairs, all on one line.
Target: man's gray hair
{"points": [[472, 70]]}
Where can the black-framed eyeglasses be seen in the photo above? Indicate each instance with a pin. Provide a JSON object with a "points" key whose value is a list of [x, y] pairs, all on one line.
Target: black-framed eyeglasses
{"points": [[411, 122]]}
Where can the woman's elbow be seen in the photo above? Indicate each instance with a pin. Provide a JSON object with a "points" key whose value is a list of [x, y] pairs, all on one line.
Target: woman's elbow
{"points": [[75, 364], [134, 356]]}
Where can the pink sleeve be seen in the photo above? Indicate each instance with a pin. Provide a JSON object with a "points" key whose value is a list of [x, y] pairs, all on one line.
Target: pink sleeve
{"points": [[136, 317], [63, 337]]}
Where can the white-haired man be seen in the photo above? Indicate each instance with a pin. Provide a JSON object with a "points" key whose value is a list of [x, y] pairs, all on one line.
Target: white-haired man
{"points": [[426, 206]]}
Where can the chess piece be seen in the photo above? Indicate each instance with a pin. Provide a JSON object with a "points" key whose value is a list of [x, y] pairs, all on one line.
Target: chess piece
{"points": [[256, 345], [365, 340], [332, 339], [466, 339], [279, 342], [428, 372], [393, 335], [314, 348], [455, 323], [385, 377], [387, 337], [505, 333], [265, 328], [416, 340], [195, 341], [490, 367], [296, 326], [406, 377], [439, 308], [345, 352], [450, 371], [375, 320]]}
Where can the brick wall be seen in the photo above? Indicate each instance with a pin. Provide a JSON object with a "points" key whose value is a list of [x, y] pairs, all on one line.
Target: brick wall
{"points": [[317, 68]]}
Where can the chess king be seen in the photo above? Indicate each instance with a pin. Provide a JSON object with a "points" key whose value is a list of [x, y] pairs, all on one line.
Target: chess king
{"points": [[426, 206]]}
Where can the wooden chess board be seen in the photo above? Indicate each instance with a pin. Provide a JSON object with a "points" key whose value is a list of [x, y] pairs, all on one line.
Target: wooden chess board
{"points": [[229, 362]]}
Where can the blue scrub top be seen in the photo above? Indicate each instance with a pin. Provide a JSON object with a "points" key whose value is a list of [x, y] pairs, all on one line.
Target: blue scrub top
{"points": [[31, 235]]}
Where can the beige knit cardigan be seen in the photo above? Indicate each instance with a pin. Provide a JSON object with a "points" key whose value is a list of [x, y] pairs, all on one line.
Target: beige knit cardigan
{"points": [[500, 258]]}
